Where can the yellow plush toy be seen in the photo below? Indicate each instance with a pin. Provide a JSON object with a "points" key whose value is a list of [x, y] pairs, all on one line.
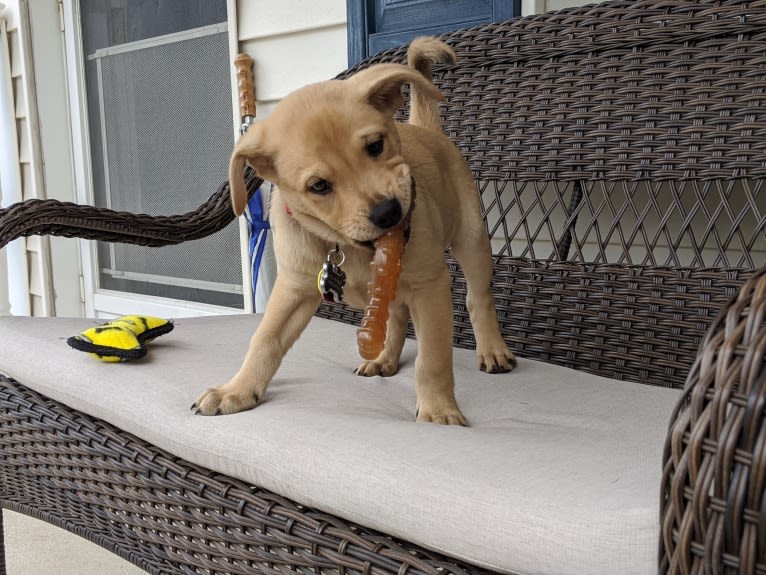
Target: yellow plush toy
{"points": [[122, 339]]}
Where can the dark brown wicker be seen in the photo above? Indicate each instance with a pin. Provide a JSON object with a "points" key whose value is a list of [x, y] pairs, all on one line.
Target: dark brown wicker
{"points": [[714, 481], [55, 218], [620, 154]]}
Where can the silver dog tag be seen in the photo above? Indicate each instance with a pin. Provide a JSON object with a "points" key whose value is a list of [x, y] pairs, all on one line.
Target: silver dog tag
{"points": [[331, 278]]}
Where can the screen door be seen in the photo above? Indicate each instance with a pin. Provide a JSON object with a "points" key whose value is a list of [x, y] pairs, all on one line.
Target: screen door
{"points": [[160, 123]]}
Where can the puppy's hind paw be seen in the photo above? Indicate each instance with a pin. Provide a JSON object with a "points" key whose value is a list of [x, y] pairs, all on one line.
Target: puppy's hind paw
{"points": [[496, 361]]}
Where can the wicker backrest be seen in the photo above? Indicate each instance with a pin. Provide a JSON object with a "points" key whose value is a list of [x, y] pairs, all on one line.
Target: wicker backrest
{"points": [[620, 153]]}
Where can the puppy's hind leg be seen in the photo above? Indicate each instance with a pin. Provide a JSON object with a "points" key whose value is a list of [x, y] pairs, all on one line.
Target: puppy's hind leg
{"points": [[431, 307], [387, 363], [474, 254]]}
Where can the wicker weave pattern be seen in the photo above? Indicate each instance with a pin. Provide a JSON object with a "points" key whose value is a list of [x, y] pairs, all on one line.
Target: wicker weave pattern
{"points": [[714, 223], [714, 476], [635, 323]]}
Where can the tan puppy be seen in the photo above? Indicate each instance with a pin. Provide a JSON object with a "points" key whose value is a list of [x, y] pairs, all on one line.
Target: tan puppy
{"points": [[344, 172]]}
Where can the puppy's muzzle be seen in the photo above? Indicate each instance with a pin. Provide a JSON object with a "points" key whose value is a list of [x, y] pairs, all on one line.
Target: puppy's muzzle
{"points": [[386, 214]]}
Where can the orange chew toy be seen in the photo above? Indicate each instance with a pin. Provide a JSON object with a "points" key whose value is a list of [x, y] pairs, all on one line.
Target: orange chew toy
{"points": [[381, 289]]}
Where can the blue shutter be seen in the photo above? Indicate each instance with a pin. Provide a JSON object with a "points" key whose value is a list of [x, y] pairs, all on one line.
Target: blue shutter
{"points": [[375, 25]]}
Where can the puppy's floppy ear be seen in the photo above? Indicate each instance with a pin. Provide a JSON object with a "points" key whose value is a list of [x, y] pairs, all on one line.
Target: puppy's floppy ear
{"points": [[249, 150], [382, 85]]}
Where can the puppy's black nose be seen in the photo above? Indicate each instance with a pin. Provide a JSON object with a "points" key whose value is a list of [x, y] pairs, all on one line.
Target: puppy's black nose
{"points": [[386, 214]]}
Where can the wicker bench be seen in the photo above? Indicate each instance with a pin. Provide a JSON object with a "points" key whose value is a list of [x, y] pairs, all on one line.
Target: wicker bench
{"points": [[620, 153]]}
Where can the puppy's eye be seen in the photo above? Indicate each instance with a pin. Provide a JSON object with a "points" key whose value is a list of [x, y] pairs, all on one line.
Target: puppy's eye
{"points": [[321, 187], [375, 148]]}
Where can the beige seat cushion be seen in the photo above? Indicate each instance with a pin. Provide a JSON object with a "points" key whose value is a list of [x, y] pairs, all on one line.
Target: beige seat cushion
{"points": [[559, 473]]}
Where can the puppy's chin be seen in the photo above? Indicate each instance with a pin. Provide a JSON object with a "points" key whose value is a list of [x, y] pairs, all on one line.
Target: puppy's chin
{"points": [[344, 235], [365, 241], [369, 245]]}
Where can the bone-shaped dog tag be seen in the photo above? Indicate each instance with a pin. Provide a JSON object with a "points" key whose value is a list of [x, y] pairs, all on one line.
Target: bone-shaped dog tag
{"points": [[331, 278]]}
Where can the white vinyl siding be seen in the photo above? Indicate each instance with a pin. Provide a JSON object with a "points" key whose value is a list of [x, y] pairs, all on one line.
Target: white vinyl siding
{"points": [[292, 43]]}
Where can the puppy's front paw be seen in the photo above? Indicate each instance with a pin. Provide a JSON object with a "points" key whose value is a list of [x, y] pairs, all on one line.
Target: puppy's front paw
{"points": [[442, 417], [223, 400], [496, 360]]}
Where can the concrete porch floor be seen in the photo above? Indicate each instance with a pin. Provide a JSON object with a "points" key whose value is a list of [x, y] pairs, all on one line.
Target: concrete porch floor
{"points": [[33, 547]]}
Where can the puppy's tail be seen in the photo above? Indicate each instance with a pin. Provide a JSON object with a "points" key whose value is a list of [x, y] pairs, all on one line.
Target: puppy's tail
{"points": [[424, 51]]}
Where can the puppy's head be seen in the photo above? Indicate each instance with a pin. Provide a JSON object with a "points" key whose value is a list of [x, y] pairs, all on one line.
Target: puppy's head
{"points": [[334, 152]]}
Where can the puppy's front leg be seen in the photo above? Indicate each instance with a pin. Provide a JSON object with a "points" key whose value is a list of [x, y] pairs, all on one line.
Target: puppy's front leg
{"points": [[431, 309], [292, 303]]}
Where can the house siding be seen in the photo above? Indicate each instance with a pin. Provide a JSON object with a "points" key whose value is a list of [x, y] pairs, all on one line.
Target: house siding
{"points": [[292, 43], [41, 124], [23, 255], [27, 124]]}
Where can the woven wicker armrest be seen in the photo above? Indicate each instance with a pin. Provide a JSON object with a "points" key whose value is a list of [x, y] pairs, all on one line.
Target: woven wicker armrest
{"points": [[55, 218], [714, 478]]}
